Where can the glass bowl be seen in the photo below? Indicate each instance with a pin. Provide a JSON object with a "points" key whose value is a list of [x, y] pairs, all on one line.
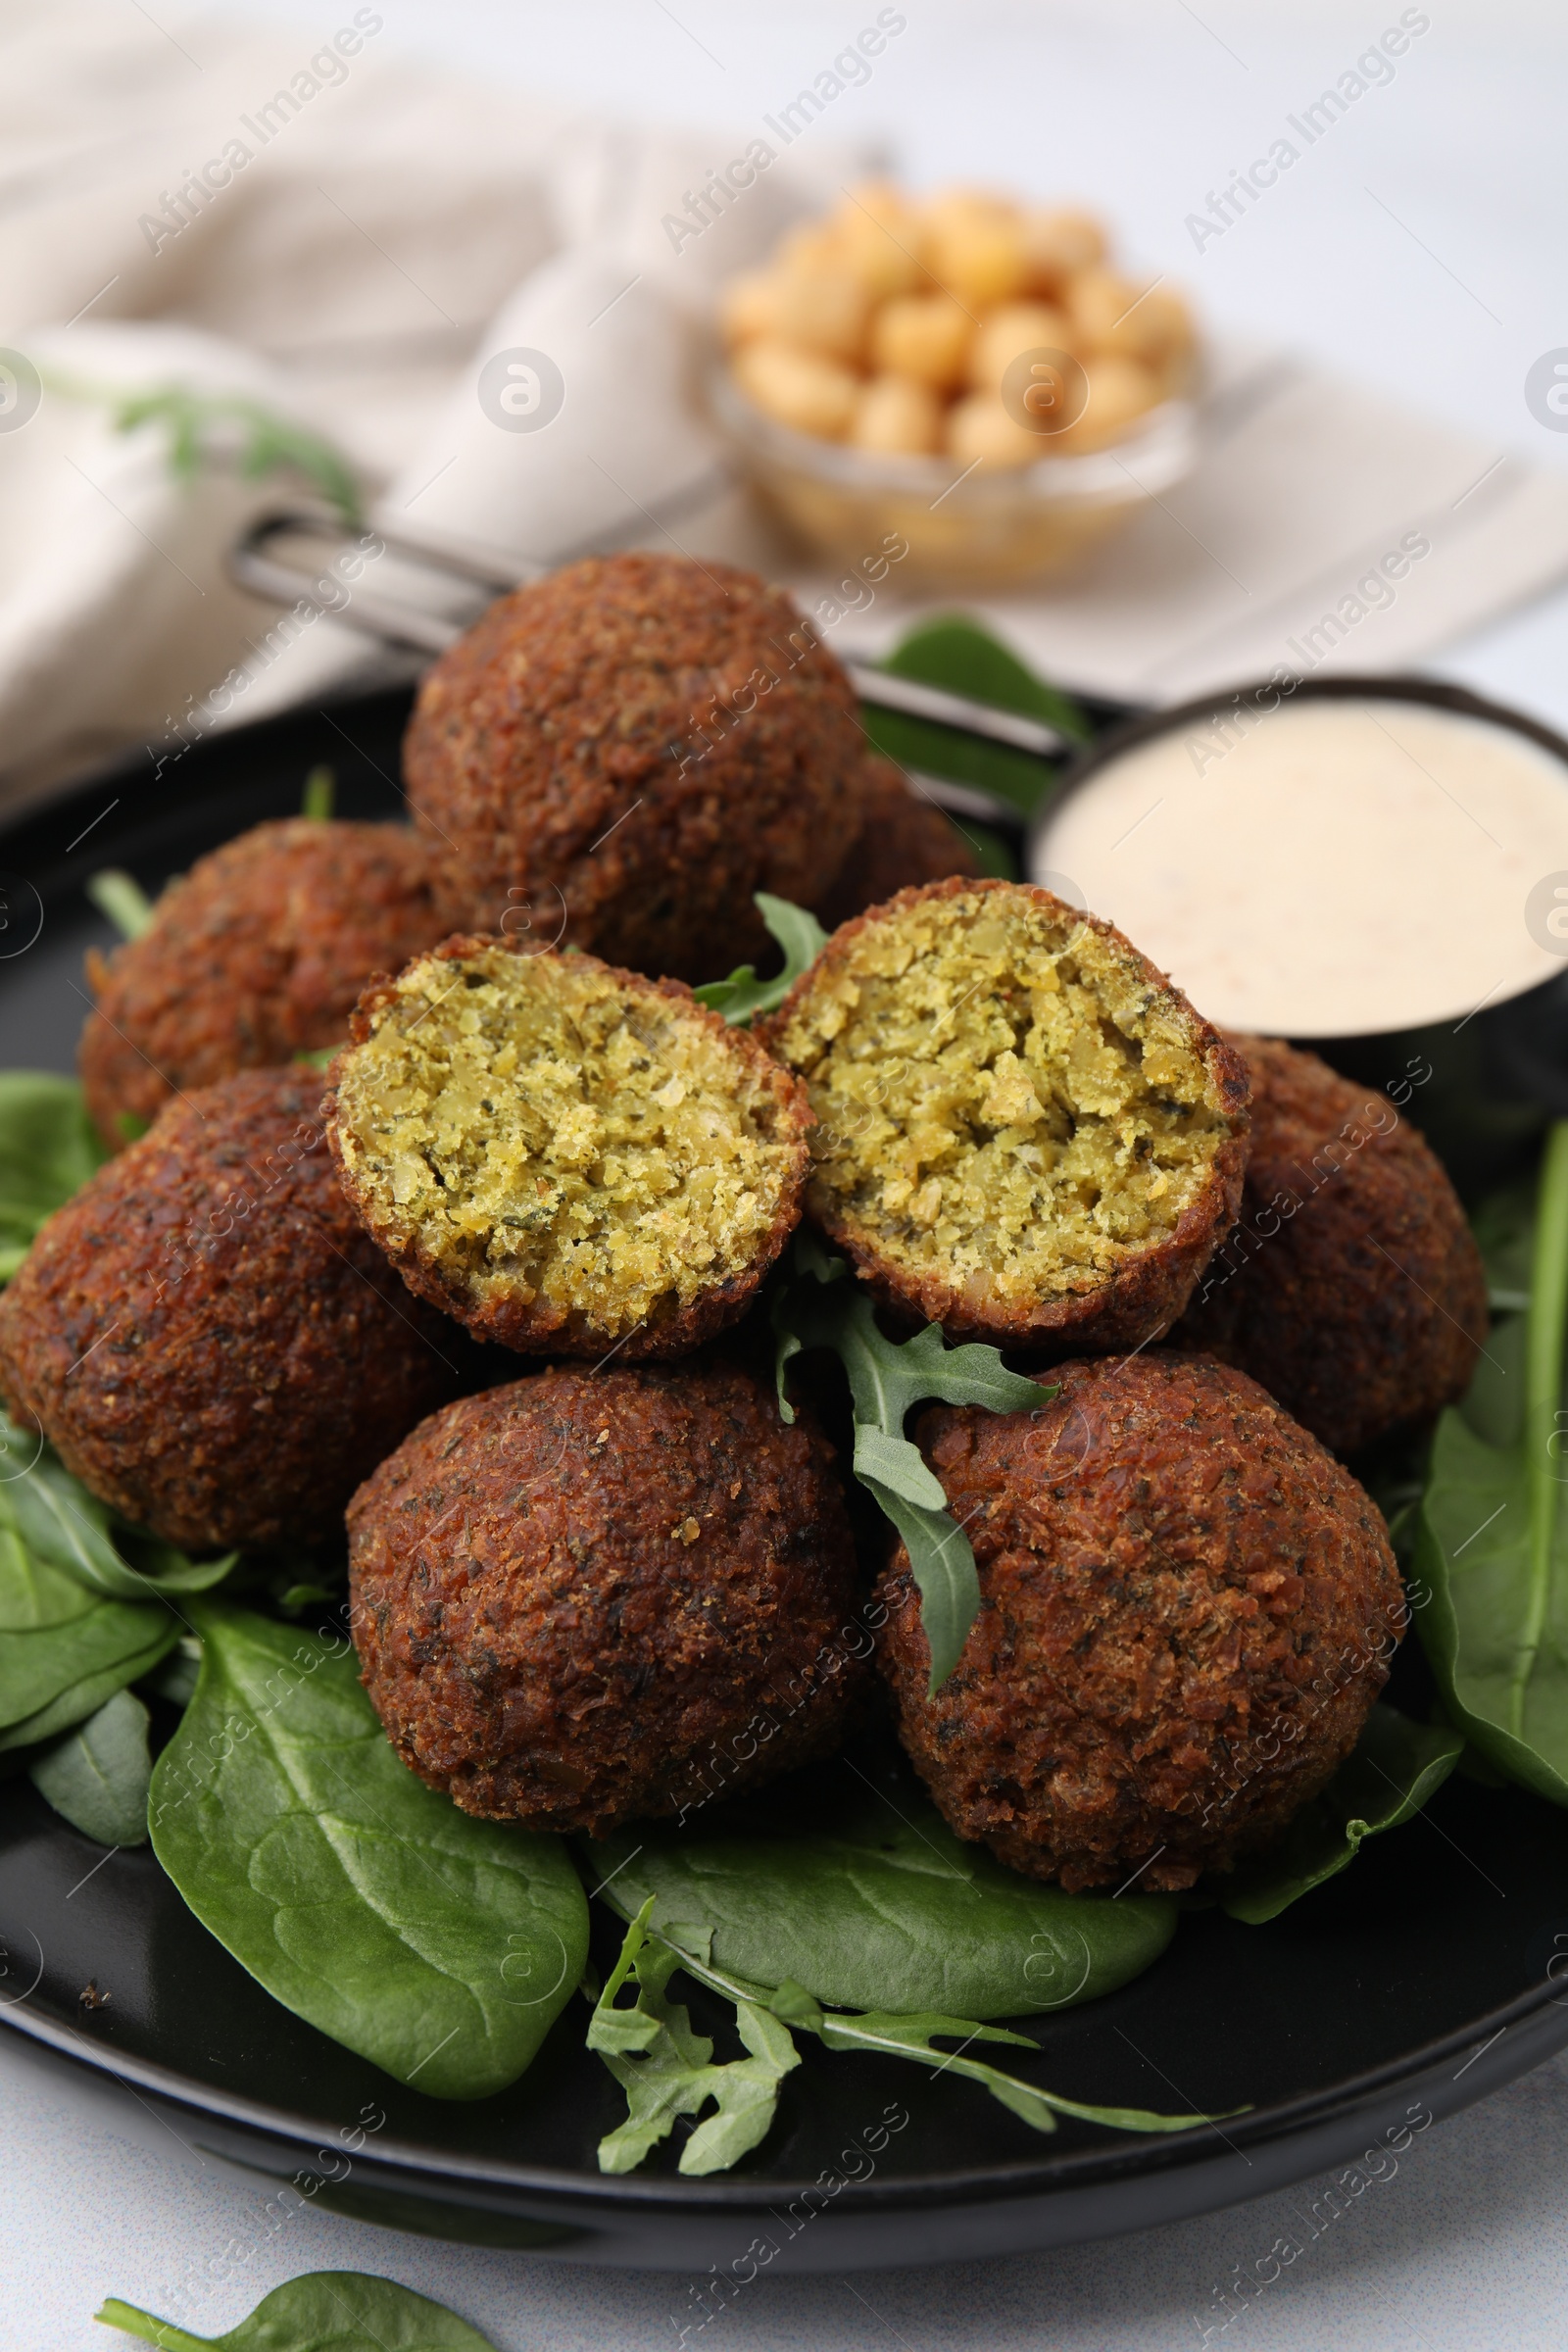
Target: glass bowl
{"points": [[992, 527]]}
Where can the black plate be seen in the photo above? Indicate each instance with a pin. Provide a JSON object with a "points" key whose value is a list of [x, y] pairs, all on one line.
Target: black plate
{"points": [[1409, 1987]]}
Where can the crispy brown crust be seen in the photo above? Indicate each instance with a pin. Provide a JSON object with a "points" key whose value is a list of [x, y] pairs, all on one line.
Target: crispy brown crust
{"points": [[903, 842], [539, 1328], [1186, 1608], [1353, 1287], [582, 1599], [253, 957], [1144, 1297], [599, 760], [206, 1336]]}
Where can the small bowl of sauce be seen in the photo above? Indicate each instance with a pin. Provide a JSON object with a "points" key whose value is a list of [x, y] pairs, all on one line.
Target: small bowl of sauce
{"points": [[1375, 869]]}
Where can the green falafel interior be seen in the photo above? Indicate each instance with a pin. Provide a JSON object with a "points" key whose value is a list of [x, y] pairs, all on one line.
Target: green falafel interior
{"points": [[564, 1149], [1008, 1098]]}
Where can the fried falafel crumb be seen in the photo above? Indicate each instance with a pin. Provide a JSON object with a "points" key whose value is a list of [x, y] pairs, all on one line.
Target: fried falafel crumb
{"points": [[542, 1130], [1005, 1100]]}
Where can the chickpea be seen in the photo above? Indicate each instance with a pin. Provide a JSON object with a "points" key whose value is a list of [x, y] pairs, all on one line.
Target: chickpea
{"points": [[981, 432], [1166, 331], [923, 335], [1014, 327], [798, 388], [1058, 245], [821, 309], [1112, 315], [1120, 391], [880, 238], [976, 249], [898, 417]]}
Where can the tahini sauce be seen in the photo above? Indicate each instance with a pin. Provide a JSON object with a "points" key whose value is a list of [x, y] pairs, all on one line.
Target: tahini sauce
{"points": [[1345, 867]]}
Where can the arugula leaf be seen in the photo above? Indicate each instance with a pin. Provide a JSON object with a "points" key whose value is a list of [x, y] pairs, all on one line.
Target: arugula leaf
{"points": [[954, 652], [48, 1150], [854, 1886], [439, 1947], [667, 2070], [121, 898], [97, 1776], [742, 996], [325, 2310], [819, 1309], [1492, 1539], [1387, 1777], [63, 1524], [915, 2038]]}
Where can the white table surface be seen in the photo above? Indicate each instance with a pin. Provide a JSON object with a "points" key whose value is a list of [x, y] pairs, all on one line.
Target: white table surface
{"points": [[1139, 109]]}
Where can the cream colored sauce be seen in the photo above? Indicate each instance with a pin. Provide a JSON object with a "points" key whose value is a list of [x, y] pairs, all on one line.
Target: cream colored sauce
{"points": [[1344, 867]]}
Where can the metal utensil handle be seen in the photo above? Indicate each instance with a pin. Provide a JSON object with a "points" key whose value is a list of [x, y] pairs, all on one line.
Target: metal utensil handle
{"points": [[255, 564]]}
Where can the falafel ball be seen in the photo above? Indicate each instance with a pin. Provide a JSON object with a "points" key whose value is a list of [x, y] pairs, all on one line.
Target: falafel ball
{"points": [[1024, 1132], [903, 842], [207, 1337], [582, 1599], [1187, 1607], [257, 955], [566, 1158], [617, 757], [1353, 1287]]}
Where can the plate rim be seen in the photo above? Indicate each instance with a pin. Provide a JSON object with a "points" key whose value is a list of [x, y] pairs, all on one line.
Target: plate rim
{"points": [[1081, 2169]]}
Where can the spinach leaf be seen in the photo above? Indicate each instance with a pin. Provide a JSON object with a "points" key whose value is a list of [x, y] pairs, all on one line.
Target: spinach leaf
{"points": [[858, 1889], [1492, 1541], [952, 651], [1504, 1229], [436, 1945], [83, 1698], [742, 996], [666, 2070], [48, 1150], [820, 1308], [97, 1776], [1387, 1777], [61, 1523], [62, 1649], [325, 2310]]}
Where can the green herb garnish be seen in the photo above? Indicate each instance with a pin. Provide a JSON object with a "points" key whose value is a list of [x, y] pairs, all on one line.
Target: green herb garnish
{"points": [[325, 2310], [439, 1947], [121, 898], [1387, 1777], [742, 996], [820, 1308], [1492, 1543], [48, 1150]]}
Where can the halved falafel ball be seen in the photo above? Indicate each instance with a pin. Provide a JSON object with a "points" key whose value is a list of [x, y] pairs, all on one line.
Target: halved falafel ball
{"points": [[1024, 1132], [1186, 1608], [617, 757], [257, 955], [1353, 1287], [206, 1335], [569, 1158], [585, 1598], [903, 841]]}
